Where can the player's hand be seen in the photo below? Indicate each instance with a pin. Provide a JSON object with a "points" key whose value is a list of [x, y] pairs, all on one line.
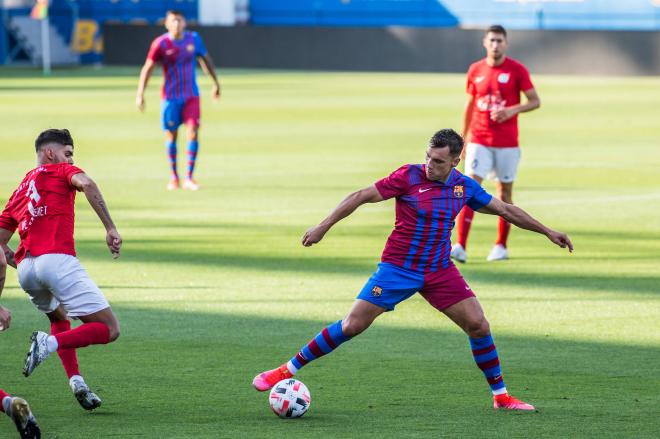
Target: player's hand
{"points": [[215, 92], [313, 235], [139, 102], [9, 255], [113, 239], [501, 114], [5, 318], [561, 239]]}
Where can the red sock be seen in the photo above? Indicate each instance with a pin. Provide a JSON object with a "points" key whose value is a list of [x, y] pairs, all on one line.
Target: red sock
{"points": [[2, 396], [503, 228], [84, 335], [463, 223], [67, 356]]}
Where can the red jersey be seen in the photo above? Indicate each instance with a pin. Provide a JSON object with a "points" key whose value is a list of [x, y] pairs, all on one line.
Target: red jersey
{"points": [[493, 88], [42, 210]]}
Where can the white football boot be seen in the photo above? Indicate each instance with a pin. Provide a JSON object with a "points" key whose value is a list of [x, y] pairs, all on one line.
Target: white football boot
{"points": [[38, 352], [86, 398], [458, 253], [498, 253]]}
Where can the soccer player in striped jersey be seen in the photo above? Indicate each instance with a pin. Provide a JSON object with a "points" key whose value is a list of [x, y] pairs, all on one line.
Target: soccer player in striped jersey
{"points": [[177, 51], [416, 259]]}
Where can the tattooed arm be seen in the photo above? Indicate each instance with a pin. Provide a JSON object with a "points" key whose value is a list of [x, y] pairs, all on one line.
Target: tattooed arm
{"points": [[84, 183]]}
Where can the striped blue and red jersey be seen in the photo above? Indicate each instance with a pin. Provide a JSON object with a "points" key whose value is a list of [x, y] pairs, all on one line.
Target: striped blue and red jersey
{"points": [[425, 212], [178, 58]]}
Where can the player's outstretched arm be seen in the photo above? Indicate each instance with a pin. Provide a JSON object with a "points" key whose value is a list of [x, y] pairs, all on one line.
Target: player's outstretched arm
{"points": [[209, 68], [345, 208], [5, 318], [82, 182], [145, 74], [467, 119], [515, 215]]}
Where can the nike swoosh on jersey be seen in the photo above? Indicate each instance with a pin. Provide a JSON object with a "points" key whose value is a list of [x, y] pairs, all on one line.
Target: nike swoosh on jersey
{"points": [[424, 190], [479, 78]]}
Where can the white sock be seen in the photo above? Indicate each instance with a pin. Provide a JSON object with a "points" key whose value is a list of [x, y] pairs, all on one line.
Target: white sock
{"points": [[6, 403], [76, 378], [293, 369], [52, 344], [501, 391]]}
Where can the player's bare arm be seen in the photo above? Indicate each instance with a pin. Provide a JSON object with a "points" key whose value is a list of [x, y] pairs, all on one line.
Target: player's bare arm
{"points": [[84, 183], [5, 236], [5, 318], [145, 74], [3, 273], [345, 208], [206, 62], [515, 215], [503, 114]]}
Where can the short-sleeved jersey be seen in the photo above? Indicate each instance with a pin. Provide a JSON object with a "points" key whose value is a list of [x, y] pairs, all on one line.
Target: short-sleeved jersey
{"points": [[178, 58], [495, 87], [42, 208], [425, 212]]}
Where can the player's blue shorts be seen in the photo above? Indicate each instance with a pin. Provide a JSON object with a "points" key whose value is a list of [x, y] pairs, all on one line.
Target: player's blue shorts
{"points": [[174, 112], [391, 285]]}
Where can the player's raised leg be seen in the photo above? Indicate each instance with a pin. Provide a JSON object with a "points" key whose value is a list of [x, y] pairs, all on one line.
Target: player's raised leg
{"points": [[469, 315], [359, 318], [19, 411], [100, 327]]}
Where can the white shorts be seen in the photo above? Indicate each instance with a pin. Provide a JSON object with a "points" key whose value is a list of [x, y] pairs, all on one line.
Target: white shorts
{"points": [[488, 162], [54, 279]]}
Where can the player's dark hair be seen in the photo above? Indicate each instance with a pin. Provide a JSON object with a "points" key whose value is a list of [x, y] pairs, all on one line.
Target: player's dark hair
{"points": [[496, 29], [447, 138], [53, 135], [174, 12]]}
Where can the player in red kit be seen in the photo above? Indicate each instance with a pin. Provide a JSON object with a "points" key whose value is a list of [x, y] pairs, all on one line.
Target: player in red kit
{"points": [[42, 210], [177, 51], [490, 125], [14, 407]]}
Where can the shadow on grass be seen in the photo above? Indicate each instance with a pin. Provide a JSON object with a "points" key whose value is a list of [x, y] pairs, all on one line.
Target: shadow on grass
{"points": [[157, 251], [186, 374]]}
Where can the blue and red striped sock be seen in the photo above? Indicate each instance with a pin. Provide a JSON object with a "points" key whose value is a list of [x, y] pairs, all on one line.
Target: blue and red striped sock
{"points": [[485, 355], [193, 147], [325, 342], [171, 154]]}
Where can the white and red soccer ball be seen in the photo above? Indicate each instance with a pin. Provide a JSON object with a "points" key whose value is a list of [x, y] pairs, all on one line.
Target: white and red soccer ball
{"points": [[289, 398]]}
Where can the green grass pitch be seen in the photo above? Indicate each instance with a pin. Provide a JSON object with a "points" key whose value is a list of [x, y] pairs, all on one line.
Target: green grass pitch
{"points": [[214, 286]]}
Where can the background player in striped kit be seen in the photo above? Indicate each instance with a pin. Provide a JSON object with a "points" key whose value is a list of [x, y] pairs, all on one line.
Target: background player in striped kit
{"points": [[177, 51], [416, 259]]}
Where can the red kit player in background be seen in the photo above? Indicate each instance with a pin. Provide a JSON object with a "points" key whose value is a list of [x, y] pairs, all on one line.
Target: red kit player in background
{"points": [[42, 210], [490, 126]]}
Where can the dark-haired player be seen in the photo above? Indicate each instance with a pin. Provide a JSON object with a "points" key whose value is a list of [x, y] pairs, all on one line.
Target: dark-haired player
{"points": [[42, 210], [416, 259], [177, 51], [494, 85]]}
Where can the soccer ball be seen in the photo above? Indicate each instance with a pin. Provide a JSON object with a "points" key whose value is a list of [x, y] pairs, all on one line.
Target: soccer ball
{"points": [[289, 399]]}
